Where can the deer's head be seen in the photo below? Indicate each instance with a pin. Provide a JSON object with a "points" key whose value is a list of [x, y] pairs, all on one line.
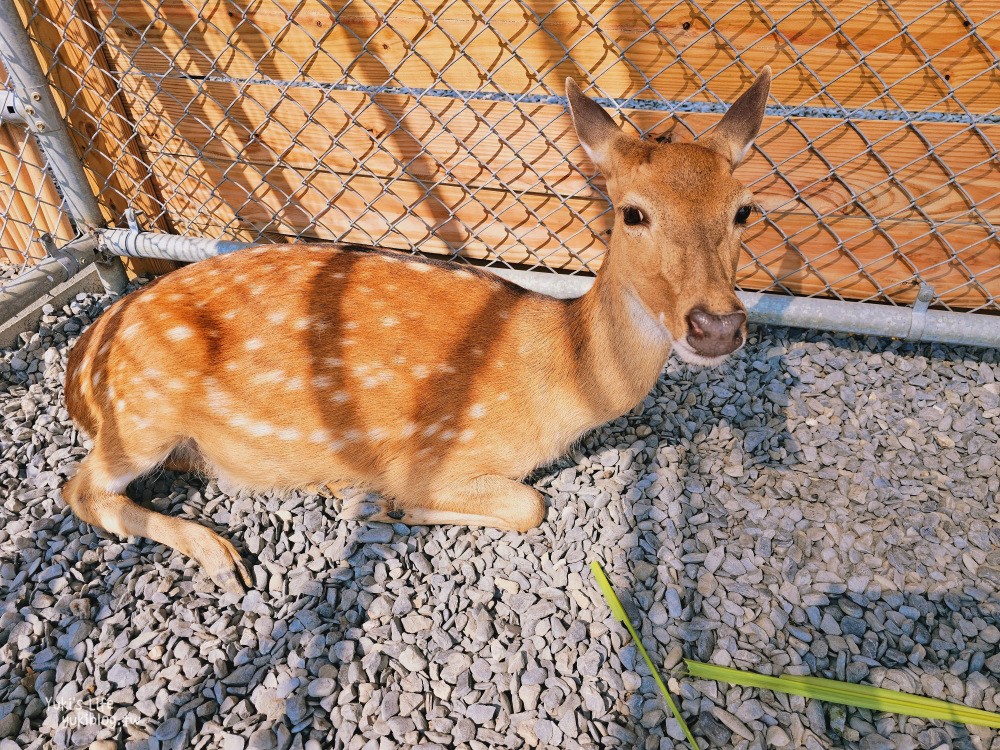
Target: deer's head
{"points": [[679, 215]]}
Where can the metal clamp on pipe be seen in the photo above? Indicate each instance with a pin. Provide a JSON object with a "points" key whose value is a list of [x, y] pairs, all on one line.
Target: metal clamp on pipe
{"points": [[11, 109], [918, 315]]}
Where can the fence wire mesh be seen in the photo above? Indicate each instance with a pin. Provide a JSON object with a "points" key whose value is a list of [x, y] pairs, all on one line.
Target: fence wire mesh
{"points": [[441, 125]]}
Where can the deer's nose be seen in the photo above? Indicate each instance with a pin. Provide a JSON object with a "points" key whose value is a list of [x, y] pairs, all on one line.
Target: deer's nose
{"points": [[715, 335]]}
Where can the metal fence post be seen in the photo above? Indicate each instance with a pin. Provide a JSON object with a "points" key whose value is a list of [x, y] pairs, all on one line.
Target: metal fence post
{"points": [[45, 122]]}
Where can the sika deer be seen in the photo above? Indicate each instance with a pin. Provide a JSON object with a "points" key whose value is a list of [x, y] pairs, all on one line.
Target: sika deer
{"points": [[436, 384]]}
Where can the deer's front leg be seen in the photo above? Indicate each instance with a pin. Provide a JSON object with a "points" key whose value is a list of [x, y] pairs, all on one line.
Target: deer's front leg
{"points": [[490, 501]]}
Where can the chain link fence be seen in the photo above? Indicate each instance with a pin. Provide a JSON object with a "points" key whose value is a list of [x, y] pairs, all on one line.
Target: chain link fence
{"points": [[441, 125]]}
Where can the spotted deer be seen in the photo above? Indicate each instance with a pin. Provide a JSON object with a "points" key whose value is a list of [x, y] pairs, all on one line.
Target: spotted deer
{"points": [[437, 385]]}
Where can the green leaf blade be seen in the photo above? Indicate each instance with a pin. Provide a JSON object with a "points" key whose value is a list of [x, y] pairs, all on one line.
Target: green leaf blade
{"points": [[849, 694]]}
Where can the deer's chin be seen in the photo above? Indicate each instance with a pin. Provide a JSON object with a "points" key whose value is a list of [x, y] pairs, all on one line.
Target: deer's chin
{"points": [[688, 355]]}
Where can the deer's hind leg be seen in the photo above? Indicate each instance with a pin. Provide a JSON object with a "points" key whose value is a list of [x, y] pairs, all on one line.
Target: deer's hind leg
{"points": [[96, 496]]}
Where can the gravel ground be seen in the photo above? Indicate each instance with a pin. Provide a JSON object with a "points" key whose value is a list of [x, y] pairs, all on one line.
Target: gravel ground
{"points": [[818, 505]]}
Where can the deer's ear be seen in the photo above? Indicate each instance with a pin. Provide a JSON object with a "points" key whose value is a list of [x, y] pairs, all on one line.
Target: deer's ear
{"points": [[735, 133], [594, 127]]}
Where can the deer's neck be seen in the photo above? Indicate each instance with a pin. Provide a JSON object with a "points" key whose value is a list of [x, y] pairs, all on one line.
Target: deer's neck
{"points": [[622, 344]]}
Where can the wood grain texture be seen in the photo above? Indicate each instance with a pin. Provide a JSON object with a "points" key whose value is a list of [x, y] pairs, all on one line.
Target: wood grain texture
{"points": [[790, 247], [69, 49], [29, 202], [851, 53]]}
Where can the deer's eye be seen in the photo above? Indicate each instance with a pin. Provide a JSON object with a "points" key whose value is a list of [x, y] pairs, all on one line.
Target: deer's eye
{"points": [[743, 213], [633, 216]]}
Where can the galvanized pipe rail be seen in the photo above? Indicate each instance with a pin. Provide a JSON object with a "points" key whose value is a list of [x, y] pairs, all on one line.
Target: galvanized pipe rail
{"points": [[912, 323]]}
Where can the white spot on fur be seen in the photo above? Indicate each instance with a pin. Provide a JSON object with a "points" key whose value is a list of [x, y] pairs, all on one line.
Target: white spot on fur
{"points": [[141, 423], [399, 360], [340, 396], [337, 275], [363, 289], [322, 381], [378, 433], [131, 330], [348, 342], [179, 333], [296, 383], [409, 429], [421, 267], [176, 385], [96, 378], [289, 434], [229, 314], [500, 364], [111, 393], [104, 349], [240, 278], [371, 381], [467, 435], [477, 352], [120, 404], [431, 429], [447, 434], [271, 376], [351, 436], [277, 316], [302, 324], [349, 325], [252, 345], [420, 371], [477, 410], [320, 436], [333, 361], [462, 274], [503, 396], [447, 369], [260, 429], [389, 321], [258, 289]]}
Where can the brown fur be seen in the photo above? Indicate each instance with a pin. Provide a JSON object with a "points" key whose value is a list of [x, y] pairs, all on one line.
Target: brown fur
{"points": [[433, 383]]}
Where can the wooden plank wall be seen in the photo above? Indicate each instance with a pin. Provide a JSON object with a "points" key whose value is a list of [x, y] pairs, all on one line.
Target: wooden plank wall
{"points": [[244, 119]]}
